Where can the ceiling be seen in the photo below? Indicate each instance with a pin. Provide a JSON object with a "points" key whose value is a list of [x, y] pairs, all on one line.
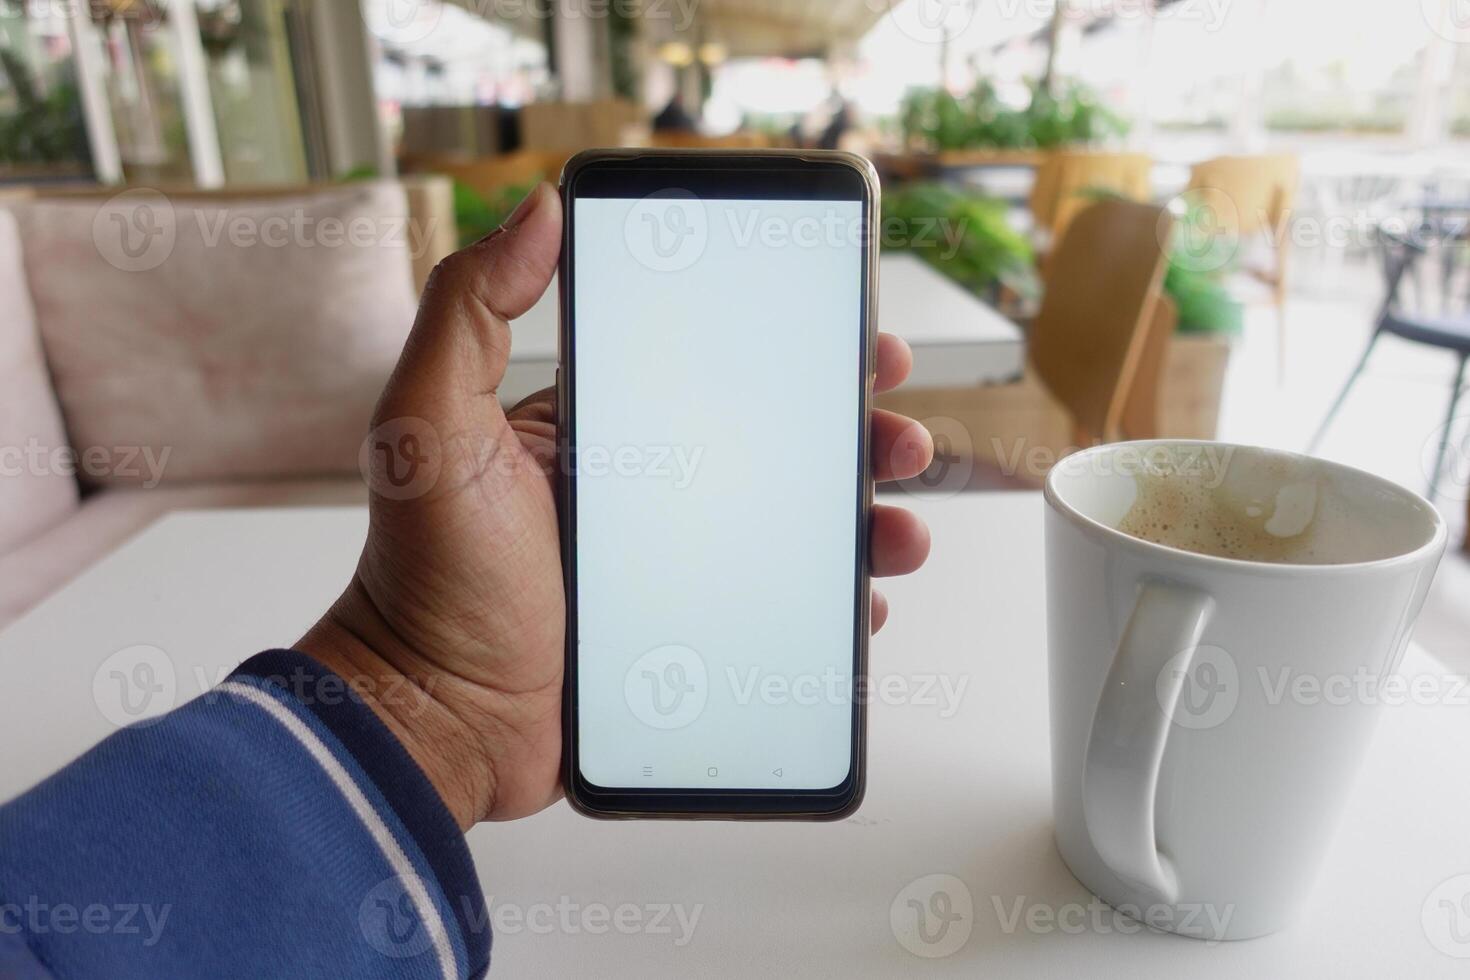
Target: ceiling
{"points": [[747, 28], [786, 27]]}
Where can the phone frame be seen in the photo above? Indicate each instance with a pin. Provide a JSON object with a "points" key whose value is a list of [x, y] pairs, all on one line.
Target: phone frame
{"points": [[663, 168]]}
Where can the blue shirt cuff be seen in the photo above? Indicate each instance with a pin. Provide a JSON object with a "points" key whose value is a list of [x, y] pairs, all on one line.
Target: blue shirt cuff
{"points": [[415, 801]]}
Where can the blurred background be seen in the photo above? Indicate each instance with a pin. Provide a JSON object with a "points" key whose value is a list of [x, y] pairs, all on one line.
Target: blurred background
{"points": [[1275, 253]]}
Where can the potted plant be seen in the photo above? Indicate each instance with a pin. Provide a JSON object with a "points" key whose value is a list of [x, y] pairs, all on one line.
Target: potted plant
{"points": [[963, 235], [935, 120]]}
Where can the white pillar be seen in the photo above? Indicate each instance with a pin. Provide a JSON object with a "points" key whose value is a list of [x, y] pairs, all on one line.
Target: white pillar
{"points": [[91, 63], [581, 65], [204, 151], [1428, 122], [348, 106], [1145, 82], [1248, 122]]}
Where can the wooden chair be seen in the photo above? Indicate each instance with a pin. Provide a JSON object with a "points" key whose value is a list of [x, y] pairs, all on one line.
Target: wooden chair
{"points": [[1102, 289], [1251, 197], [490, 175], [1063, 179], [696, 141], [992, 157], [1141, 418], [573, 126]]}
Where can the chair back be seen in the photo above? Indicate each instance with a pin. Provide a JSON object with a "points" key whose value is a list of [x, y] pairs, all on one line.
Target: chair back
{"points": [[743, 140], [1260, 190], [573, 126], [1102, 287], [1064, 179], [1427, 261], [1141, 409], [488, 176]]}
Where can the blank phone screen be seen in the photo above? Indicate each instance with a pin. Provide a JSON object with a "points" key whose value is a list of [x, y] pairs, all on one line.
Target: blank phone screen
{"points": [[719, 367]]}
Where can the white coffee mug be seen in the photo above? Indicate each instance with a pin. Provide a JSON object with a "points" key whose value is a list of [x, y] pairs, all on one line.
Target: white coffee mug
{"points": [[1193, 789]]}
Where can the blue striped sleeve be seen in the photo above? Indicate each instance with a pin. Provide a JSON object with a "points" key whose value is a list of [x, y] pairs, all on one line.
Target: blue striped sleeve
{"points": [[273, 827]]}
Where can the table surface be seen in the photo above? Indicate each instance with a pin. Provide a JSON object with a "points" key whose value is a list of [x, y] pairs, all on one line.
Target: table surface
{"points": [[957, 339], [963, 793]]}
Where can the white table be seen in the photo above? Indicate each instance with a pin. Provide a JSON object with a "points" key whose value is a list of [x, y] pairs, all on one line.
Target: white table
{"points": [[957, 340], [966, 795]]}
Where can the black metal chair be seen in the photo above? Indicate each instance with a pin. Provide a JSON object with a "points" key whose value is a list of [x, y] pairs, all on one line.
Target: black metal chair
{"points": [[1449, 332]]}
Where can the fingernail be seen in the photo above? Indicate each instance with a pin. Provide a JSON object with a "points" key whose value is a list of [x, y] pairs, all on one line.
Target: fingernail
{"points": [[523, 210]]}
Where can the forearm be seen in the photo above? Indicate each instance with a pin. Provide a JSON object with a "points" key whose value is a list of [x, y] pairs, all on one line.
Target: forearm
{"points": [[273, 827]]}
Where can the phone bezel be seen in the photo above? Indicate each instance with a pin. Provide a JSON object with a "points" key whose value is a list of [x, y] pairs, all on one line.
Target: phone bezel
{"points": [[765, 174]]}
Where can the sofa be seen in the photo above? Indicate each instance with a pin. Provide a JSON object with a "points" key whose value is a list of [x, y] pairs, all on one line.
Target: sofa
{"points": [[176, 348]]}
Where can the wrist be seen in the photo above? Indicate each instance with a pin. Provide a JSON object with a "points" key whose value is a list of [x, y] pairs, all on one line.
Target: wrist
{"points": [[354, 641]]}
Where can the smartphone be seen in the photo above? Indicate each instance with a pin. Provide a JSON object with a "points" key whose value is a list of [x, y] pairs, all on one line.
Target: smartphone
{"points": [[714, 384]]}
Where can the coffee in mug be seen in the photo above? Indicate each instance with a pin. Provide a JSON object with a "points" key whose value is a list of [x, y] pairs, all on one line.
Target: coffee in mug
{"points": [[1286, 509]]}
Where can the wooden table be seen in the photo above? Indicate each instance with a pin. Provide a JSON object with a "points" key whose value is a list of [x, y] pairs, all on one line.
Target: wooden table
{"points": [[957, 339], [959, 785]]}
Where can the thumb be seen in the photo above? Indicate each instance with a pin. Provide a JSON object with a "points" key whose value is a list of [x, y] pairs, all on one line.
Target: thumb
{"points": [[461, 339]]}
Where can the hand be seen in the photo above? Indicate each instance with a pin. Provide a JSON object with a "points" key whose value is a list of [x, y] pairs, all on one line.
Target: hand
{"points": [[459, 588]]}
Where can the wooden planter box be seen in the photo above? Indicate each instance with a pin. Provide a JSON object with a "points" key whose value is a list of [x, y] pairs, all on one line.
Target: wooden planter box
{"points": [[908, 165], [1194, 381], [1019, 429]]}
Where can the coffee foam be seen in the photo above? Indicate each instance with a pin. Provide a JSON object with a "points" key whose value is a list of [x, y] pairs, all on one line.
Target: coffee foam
{"points": [[1269, 509]]}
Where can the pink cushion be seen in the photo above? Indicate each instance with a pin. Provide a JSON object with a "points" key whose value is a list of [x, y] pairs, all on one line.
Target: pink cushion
{"points": [[243, 338], [36, 485]]}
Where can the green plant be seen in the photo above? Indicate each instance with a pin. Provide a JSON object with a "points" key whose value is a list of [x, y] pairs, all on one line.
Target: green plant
{"points": [[477, 215], [964, 236], [937, 119], [1203, 302], [1199, 258], [622, 34], [42, 129], [363, 171]]}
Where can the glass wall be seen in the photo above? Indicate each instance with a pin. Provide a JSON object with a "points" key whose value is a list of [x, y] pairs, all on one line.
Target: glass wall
{"points": [[142, 83], [247, 47], [146, 65], [42, 131], [441, 74]]}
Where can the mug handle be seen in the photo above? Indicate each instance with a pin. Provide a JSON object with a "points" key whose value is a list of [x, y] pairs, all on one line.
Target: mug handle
{"points": [[1121, 773]]}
